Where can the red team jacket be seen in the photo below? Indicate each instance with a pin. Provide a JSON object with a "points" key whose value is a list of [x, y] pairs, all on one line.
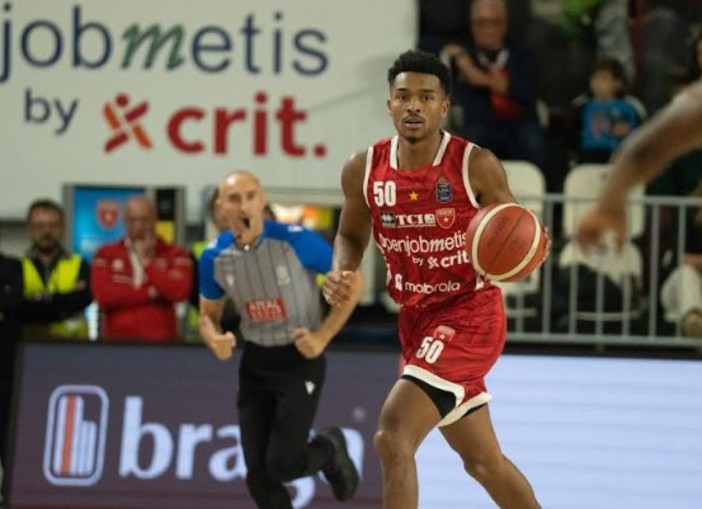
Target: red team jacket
{"points": [[145, 311], [419, 218]]}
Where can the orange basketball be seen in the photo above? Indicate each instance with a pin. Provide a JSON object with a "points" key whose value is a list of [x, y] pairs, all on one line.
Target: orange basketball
{"points": [[505, 242]]}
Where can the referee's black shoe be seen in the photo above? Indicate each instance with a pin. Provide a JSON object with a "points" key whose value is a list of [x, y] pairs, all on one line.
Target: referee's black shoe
{"points": [[340, 472]]}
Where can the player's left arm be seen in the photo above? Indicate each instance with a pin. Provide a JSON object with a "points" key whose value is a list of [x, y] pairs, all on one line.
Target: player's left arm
{"points": [[311, 344], [488, 178]]}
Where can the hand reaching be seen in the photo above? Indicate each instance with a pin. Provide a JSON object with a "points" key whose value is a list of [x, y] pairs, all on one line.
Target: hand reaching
{"points": [[592, 227]]}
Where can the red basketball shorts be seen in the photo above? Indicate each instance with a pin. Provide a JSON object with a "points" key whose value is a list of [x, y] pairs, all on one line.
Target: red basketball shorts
{"points": [[452, 346]]}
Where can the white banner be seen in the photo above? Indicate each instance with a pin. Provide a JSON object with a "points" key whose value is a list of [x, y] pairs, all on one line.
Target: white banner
{"points": [[158, 92]]}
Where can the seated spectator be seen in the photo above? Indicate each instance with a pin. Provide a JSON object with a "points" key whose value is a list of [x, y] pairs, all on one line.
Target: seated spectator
{"points": [[605, 115], [10, 301], [138, 280], [681, 294], [56, 282], [495, 87]]}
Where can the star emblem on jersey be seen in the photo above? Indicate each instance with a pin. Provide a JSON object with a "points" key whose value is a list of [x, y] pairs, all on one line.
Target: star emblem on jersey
{"points": [[446, 217], [414, 196], [309, 387]]}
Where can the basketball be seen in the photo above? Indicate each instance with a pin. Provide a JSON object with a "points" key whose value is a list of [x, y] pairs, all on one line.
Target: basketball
{"points": [[505, 242]]}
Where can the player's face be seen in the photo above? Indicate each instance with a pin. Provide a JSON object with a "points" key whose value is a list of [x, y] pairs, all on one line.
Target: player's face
{"points": [[242, 201], [417, 105], [45, 230]]}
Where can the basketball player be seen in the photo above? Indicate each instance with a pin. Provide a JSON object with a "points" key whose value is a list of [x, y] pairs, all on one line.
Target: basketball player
{"points": [[268, 269], [417, 192], [646, 153]]}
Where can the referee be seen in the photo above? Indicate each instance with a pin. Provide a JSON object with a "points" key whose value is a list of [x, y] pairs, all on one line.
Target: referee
{"points": [[269, 271]]}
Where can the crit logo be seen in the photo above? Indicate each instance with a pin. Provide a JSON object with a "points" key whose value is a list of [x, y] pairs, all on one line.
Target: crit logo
{"points": [[76, 431], [125, 123]]}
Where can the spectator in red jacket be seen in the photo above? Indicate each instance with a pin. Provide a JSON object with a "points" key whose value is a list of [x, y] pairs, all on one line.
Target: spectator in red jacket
{"points": [[138, 280]]}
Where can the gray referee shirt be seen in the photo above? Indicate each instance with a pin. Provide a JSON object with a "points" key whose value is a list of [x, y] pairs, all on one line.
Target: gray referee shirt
{"points": [[273, 285]]}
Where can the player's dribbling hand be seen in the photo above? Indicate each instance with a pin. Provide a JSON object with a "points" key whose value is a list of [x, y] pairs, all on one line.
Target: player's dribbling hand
{"points": [[222, 345], [591, 230], [337, 289], [308, 343]]}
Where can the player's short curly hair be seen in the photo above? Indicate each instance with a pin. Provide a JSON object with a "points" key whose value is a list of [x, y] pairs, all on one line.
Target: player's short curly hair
{"points": [[420, 61]]}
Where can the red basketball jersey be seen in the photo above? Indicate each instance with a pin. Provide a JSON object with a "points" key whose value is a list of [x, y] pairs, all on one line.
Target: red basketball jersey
{"points": [[419, 219]]}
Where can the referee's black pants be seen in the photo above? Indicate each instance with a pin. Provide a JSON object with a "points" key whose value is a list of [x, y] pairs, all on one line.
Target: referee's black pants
{"points": [[279, 392]]}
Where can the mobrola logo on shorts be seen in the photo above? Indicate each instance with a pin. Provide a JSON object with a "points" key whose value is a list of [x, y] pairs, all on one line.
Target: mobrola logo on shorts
{"points": [[76, 432]]}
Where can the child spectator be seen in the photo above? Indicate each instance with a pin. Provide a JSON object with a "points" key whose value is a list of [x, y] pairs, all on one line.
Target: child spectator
{"points": [[605, 115]]}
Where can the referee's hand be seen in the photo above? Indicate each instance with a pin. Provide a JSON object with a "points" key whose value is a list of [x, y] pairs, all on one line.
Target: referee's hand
{"points": [[223, 344], [309, 343]]}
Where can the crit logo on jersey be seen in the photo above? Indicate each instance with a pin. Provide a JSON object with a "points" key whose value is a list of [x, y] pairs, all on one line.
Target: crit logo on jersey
{"points": [[392, 220], [266, 310], [125, 123], [76, 430]]}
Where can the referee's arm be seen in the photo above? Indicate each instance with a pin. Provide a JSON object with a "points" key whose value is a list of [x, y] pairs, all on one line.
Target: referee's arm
{"points": [[221, 343]]}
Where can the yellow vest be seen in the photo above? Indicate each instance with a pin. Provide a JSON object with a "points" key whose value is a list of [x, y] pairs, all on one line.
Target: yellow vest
{"points": [[62, 279]]}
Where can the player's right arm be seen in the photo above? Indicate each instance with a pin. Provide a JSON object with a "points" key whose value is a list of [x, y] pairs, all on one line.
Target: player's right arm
{"points": [[221, 343], [353, 234]]}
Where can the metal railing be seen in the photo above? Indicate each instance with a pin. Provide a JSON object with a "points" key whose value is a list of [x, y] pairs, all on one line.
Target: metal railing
{"points": [[549, 306]]}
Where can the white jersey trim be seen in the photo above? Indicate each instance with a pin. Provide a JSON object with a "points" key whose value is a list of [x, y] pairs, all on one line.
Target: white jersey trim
{"points": [[435, 381], [393, 151], [442, 149], [366, 175], [445, 139], [466, 177], [458, 412], [457, 390]]}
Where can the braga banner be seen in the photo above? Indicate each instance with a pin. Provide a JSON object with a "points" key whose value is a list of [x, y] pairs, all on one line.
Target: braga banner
{"points": [[166, 93], [101, 426]]}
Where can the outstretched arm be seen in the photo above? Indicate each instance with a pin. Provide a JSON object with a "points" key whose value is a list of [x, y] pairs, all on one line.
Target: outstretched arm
{"points": [[645, 154], [649, 150]]}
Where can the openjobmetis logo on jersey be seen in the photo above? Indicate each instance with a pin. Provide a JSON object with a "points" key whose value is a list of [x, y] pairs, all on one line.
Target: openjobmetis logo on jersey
{"points": [[76, 432]]}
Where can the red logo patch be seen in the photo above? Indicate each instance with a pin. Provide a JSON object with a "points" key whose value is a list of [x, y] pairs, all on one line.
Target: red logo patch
{"points": [[266, 310], [446, 217], [444, 333]]}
